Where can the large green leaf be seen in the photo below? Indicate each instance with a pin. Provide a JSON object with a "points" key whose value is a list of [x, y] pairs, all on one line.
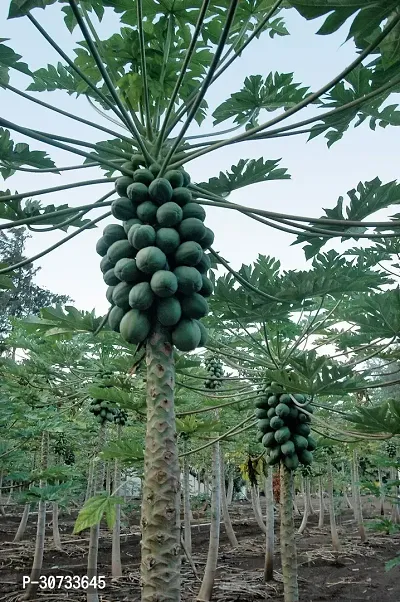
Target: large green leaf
{"points": [[365, 200], [19, 154], [276, 91], [19, 8], [10, 60], [245, 173], [93, 511], [54, 321], [381, 419], [127, 451]]}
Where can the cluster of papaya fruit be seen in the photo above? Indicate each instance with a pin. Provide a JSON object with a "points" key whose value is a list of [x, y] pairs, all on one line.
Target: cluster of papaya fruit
{"points": [[391, 449], [215, 371], [155, 264], [284, 427], [63, 449]]}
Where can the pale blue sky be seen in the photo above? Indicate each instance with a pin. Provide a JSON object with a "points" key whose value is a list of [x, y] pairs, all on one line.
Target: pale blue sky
{"points": [[319, 174]]}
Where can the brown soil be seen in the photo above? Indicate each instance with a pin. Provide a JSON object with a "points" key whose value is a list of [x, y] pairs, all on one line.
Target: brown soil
{"points": [[357, 574]]}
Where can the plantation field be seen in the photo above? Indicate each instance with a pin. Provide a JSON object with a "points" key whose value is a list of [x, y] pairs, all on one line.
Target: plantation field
{"points": [[358, 573]]}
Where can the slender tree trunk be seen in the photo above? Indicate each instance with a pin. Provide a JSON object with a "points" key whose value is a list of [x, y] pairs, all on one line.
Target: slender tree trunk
{"points": [[89, 487], [332, 518], [321, 502], [269, 520], [41, 528], [10, 493], [382, 495], [108, 478], [287, 534], [224, 504], [187, 512], [160, 522], [2, 511], [255, 502], [229, 493], [395, 514], [92, 594], [22, 525], [207, 584], [357, 498], [306, 497], [56, 530], [116, 566], [295, 506]]}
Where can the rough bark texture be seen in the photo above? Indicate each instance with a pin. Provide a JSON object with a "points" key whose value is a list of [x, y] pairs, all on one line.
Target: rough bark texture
{"points": [[395, 514], [207, 584], [332, 518], [22, 525], [255, 502], [230, 533], [287, 533], [269, 520], [160, 522], [41, 528], [187, 512]]}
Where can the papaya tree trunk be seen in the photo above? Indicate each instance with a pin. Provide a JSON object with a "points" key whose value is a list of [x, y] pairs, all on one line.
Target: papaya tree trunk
{"points": [[22, 525], [255, 502], [269, 520], [308, 496], [381, 494], [40, 529], [295, 506], [10, 492], [306, 512], [89, 487], [287, 534], [207, 584], [395, 514], [98, 486], [187, 512], [357, 498], [108, 478], [2, 511], [332, 518], [321, 502], [56, 530], [224, 504], [116, 566], [160, 522], [229, 493]]}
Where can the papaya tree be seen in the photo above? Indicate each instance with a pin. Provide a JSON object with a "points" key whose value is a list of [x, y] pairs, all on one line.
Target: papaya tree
{"points": [[150, 80]]}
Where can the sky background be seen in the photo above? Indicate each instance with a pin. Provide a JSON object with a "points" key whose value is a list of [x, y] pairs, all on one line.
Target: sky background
{"points": [[319, 175]]}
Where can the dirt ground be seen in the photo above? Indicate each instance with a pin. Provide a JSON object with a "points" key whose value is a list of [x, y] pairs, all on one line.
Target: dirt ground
{"points": [[358, 573]]}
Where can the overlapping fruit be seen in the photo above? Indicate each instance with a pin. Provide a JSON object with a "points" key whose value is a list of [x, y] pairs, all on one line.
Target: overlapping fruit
{"points": [[283, 427], [155, 264], [391, 449], [215, 371]]}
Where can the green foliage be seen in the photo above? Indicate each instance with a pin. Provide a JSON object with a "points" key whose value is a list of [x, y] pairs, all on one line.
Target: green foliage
{"points": [[245, 173], [14, 155], [55, 321], [381, 419], [125, 450], [19, 8], [10, 60], [276, 91], [95, 509]]}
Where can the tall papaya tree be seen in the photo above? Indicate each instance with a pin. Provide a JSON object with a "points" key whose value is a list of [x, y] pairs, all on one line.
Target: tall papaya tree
{"points": [[151, 80]]}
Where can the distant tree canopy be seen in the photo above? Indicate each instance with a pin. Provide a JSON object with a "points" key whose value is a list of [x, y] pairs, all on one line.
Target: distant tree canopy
{"points": [[26, 297]]}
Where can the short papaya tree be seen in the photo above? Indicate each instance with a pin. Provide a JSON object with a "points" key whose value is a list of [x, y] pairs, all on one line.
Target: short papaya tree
{"points": [[152, 79]]}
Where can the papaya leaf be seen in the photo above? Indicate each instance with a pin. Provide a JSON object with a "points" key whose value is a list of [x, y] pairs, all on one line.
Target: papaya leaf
{"points": [[5, 281], [10, 60], [19, 154], [56, 320], [19, 8], [393, 563], [365, 200], [379, 419], [245, 173], [276, 91], [127, 451], [95, 509]]}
